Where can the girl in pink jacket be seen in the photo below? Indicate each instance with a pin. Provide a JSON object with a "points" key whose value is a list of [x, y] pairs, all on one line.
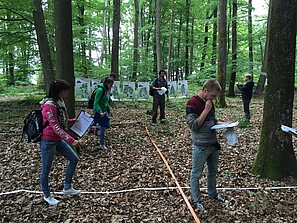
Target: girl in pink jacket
{"points": [[56, 139]]}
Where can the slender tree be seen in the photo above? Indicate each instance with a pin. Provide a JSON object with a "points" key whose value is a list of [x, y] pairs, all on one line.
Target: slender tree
{"points": [[64, 46], [214, 37], [135, 49], [43, 44], [188, 4], [170, 41], [116, 36], [275, 157], [234, 49], [222, 59], [158, 34], [250, 37]]}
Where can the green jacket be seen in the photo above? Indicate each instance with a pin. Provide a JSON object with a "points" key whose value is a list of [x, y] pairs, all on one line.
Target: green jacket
{"points": [[101, 103]]}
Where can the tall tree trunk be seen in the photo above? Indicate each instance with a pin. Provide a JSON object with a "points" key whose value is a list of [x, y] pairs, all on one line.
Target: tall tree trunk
{"points": [[192, 46], [116, 36], [275, 157], [43, 44], [83, 33], [135, 50], [158, 34], [250, 38], [170, 42], [214, 38], [177, 67], [206, 26], [64, 45], [234, 49], [105, 49], [262, 79], [222, 59], [188, 3]]}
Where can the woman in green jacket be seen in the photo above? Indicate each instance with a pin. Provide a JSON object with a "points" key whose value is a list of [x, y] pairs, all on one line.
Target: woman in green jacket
{"points": [[101, 109]]}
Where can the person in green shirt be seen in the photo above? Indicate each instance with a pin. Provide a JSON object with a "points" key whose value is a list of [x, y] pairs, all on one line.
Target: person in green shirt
{"points": [[101, 109]]}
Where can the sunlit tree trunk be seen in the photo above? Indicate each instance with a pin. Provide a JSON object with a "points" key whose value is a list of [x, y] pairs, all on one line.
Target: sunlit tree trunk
{"points": [[275, 157], [222, 59], [262, 79], [43, 44], [64, 47]]}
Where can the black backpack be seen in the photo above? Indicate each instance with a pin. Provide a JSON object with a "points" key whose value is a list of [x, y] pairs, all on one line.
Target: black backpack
{"points": [[32, 130], [92, 98], [151, 91]]}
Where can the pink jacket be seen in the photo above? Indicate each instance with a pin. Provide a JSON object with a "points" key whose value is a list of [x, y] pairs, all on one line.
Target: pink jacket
{"points": [[53, 130]]}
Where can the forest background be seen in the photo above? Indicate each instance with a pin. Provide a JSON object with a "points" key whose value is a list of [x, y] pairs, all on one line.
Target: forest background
{"points": [[188, 40]]}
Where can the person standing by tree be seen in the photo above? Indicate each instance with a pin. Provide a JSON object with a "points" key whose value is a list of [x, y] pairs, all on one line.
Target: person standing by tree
{"points": [[56, 139], [247, 92], [200, 114], [159, 99]]}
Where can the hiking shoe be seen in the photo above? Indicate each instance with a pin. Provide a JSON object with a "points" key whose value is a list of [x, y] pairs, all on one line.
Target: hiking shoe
{"points": [[200, 207], [51, 200], [71, 191], [104, 148], [219, 198]]}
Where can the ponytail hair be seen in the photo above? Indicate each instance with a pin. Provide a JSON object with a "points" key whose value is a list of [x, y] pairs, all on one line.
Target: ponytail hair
{"points": [[56, 87]]}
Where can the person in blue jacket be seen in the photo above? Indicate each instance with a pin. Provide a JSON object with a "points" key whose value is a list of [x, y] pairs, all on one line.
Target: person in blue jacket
{"points": [[247, 92]]}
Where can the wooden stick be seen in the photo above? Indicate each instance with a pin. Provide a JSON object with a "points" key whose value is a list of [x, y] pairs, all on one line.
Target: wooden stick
{"points": [[174, 178]]}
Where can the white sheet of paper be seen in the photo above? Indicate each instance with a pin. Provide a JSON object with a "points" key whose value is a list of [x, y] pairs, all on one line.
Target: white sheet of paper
{"points": [[82, 123], [162, 91], [225, 125], [230, 136], [288, 129]]}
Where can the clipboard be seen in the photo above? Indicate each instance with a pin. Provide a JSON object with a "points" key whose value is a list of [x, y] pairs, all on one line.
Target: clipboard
{"points": [[82, 123]]}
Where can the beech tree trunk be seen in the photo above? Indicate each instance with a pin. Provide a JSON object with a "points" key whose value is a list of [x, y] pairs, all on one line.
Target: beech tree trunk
{"points": [[43, 44], [135, 50], [250, 38], [222, 59], [234, 49], [116, 37], [275, 157], [158, 35], [64, 46]]}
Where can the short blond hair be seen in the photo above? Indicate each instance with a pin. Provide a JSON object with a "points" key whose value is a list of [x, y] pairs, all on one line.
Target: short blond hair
{"points": [[249, 76], [212, 86]]}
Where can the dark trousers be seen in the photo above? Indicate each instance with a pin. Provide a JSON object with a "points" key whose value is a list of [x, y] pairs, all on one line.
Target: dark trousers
{"points": [[246, 109], [158, 101]]}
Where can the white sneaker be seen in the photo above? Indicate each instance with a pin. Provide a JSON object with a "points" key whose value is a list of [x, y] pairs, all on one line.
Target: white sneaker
{"points": [[51, 200], [71, 191]]}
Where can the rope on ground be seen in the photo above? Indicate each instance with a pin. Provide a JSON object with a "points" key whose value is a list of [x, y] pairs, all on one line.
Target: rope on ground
{"points": [[149, 189], [174, 178]]}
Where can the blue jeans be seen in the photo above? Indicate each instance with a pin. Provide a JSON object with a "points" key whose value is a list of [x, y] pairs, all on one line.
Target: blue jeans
{"points": [[200, 156], [102, 134], [48, 150]]}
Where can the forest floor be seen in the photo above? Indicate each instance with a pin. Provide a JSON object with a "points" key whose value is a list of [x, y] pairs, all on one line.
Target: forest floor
{"points": [[133, 163]]}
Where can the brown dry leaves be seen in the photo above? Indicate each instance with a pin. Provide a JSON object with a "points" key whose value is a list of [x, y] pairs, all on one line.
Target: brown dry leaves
{"points": [[133, 163]]}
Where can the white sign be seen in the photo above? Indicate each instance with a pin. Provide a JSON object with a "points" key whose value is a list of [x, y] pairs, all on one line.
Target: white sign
{"points": [[183, 89], [116, 91], [172, 89], [95, 84], [129, 89], [82, 88], [143, 90]]}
